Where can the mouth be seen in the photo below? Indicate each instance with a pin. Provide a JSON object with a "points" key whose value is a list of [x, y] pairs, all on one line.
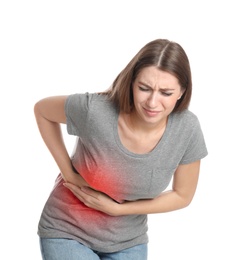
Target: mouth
{"points": [[151, 113]]}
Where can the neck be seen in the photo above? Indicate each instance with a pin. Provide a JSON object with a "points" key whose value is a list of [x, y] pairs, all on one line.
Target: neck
{"points": [[135, 124]]}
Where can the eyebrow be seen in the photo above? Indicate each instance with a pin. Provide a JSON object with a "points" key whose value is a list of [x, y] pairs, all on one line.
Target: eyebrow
{"points": [[148, 86]]}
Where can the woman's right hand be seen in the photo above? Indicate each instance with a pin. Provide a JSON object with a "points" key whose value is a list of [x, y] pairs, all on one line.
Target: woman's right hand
{"points": [[76, 179]]}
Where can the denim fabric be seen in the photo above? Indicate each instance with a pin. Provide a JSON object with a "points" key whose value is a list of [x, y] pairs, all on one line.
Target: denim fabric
{"points": [[67, 249]]}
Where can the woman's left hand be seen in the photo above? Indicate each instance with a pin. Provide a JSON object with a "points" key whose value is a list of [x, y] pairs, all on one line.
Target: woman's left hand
{"points": [[94, 199]]}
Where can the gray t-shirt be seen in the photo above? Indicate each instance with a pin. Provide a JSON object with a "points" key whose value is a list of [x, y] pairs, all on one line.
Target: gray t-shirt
{"points": [[108, 166]]}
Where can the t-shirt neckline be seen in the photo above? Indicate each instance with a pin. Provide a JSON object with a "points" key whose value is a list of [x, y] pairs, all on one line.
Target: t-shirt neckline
{"points": [[130, 153]]}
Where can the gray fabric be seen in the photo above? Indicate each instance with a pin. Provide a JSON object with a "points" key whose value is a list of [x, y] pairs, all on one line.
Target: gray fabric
{"points": [[109, 167]]}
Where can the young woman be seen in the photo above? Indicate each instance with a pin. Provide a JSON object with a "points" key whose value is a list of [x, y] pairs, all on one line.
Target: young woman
{"points": [[130, 141]]}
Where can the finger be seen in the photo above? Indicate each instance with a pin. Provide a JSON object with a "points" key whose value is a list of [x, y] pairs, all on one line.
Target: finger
{"points": [[72, 187], [75, 190], [69, 185], [88, 191], [85, 194], [91, 192]]}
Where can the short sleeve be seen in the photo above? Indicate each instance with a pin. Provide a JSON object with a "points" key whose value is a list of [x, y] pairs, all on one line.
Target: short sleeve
{"points": [[196, 148], [76, 110]]}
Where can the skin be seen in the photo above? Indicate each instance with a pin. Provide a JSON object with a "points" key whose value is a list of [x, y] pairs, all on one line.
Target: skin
{"points": [[155, 95]]}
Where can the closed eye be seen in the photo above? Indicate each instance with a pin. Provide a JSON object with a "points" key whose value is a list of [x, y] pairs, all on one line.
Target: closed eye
{"points": [[164, 93], [167, 94], [143, 88]]}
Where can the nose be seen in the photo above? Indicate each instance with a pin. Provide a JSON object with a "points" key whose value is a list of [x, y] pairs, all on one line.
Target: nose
{"points": [[152, 100]]}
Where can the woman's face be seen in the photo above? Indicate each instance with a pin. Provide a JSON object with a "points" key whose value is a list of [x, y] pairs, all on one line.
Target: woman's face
{"points": [[155, 94]]}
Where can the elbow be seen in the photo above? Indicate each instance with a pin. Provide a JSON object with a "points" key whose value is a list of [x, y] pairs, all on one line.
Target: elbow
{"points": [[37, 108], [184, 204], [185, 201]]}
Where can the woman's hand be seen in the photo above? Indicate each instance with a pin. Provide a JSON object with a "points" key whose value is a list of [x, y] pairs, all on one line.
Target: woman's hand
{"points": [[75, 178], [94, 199]]}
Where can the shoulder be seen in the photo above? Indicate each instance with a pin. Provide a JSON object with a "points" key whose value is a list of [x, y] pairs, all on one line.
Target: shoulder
{"points": [[184, 124], [84, 108], [88, 100], [86, 96], [186, 118]]}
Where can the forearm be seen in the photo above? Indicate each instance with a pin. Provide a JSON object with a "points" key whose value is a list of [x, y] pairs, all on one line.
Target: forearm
{"points": [[166, 202], [52, 137], [49, 113]]}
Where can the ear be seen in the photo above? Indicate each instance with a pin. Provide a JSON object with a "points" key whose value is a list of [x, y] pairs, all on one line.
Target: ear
{"points": [[182, 92]]}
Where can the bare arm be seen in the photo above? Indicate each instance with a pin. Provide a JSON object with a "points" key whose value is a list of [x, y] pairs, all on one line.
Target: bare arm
{"points": [[183, 190], [49, 113], [184, 186]]}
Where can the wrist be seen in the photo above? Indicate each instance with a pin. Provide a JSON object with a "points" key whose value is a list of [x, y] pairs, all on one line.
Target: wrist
{"points": [[120, 208], [68, 176]]}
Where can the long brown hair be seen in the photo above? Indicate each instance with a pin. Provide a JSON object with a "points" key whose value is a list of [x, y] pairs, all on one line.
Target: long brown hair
{"points": [[165, 55]]}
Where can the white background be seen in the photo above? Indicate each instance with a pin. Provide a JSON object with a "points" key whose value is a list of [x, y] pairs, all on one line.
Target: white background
{"points": [[62, 47]]}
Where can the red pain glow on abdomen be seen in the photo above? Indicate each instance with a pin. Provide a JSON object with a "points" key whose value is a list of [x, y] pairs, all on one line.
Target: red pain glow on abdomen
{"points": [[104, 176], [75, 213], [107, 180]]}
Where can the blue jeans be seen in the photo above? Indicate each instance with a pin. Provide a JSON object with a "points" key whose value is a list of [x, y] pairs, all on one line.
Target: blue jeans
{"points": [[67, 249]]}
